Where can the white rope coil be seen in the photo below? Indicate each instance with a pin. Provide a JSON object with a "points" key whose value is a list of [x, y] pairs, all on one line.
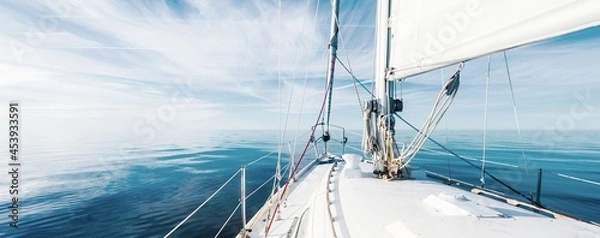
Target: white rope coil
{"points": [[441, 106]]}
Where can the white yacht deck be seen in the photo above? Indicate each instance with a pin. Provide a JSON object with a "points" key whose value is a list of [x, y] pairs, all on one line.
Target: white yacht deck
{"points": [[350, 202], [373, 207]]}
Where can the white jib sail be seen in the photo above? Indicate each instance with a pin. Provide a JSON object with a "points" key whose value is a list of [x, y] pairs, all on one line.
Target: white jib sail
{"points": [[430, 34]]}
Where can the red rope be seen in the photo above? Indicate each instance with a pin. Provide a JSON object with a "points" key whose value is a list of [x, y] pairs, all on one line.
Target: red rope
{"points": [[312, 134]]}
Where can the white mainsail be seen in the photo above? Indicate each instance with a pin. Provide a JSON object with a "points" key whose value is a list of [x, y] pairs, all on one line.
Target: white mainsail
{"points": [[430, 34]]}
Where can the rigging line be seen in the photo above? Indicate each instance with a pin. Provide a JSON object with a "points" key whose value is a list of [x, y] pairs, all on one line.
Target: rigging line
{"points": [[469, 162], [292, 87], [248, 196], [308, 142], [349, 68], [441, 106], [204, 203], [261, 158], [357, 93], [228, 219], [473, 159], [312, 33], [264, 183], [261, 186], [353, 148], [354, 133], [280, 139], [354, 78], [485, 120], [514, 102], [282, 131], [352, 85]]}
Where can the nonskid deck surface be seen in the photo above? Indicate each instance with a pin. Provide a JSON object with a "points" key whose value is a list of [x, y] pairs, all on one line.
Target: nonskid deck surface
{"points": [[364, 206]]}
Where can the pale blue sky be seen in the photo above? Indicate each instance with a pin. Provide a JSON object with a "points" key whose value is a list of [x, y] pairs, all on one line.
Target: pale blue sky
{"points": [[158, 69]]}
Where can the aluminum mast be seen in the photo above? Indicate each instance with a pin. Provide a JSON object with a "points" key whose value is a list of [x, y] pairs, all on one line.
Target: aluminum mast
{"points": [[333, 45]]}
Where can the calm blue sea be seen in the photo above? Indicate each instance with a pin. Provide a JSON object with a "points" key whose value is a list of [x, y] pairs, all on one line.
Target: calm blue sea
{"points": [[124, 189]]}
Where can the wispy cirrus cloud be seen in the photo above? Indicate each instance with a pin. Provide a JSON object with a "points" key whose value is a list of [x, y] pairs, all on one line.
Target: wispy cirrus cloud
{"points": [[128, 58], [130, 55]]}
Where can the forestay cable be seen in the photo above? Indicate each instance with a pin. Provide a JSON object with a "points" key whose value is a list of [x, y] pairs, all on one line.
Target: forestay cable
{"points": [[283, 128], [310, 44], [280, 135]]}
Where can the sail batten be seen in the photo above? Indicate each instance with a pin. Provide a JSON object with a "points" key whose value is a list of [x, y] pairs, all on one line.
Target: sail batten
{"points": [[430, 34]]}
